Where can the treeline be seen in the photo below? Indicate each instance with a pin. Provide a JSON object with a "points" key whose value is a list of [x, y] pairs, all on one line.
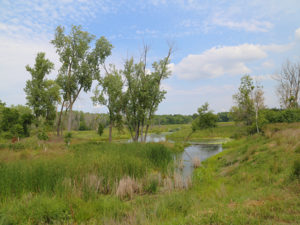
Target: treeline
{"points": [[172, 119]]}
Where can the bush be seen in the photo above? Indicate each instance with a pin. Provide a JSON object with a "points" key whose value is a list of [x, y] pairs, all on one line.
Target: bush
{"points": [[16, 146], [100, 129], [7, 135], [68, 137]]}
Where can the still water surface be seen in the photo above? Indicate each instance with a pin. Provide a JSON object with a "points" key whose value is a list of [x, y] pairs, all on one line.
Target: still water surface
{"points": [[201, 150]]}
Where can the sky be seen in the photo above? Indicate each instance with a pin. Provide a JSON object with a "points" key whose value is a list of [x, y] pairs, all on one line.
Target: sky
{"points": [[216, 43]]}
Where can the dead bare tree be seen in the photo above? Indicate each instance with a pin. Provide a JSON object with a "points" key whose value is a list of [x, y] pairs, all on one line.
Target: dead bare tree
{"points": [[289, 85]]}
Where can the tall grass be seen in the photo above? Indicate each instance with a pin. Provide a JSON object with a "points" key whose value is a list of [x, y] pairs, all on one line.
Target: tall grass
{"points": [[87, 166]]}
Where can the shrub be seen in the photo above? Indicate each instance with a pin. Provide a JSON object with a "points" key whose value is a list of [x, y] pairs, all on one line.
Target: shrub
{"points": [[16, 146], [100, 129], [67, 138]]}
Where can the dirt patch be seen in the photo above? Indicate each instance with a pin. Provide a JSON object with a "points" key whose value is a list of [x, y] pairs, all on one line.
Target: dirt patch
{"points": [[251, 203]]}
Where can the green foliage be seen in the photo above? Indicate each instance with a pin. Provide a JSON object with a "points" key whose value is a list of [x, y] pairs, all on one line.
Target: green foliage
{"points": [[80, 63], [9, 118], [42, 135], [17, 130], [144, 93], [68, 137], [82, 123], [281, 116], [17, 146], [171, 119], [206, 119], [100, 129], [112, 85], [15, 121], [224, 117], [244, 109], [42, 94]]}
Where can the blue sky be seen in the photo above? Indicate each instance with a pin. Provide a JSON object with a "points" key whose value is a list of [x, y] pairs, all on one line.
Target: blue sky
{"points": [[216, 43]]}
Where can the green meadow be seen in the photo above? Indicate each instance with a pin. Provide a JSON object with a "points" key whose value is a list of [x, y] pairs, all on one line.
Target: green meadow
{"points": [[255, 180]]}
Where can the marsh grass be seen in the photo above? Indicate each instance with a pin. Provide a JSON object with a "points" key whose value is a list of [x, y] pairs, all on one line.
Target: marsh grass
{"points": [[253, 181]]}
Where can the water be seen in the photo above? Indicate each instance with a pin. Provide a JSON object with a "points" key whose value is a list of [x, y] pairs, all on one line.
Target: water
{"points": [[201, 151], [155, 137]]}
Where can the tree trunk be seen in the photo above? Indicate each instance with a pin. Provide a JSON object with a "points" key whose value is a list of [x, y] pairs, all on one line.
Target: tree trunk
{"points": [[256, 120], [59, 119], [142, 129], [70, 117], [110, 131], [137, 132], [146, 133]]}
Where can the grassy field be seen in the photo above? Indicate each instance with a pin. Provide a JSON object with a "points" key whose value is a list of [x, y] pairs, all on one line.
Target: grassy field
{"points": [[120, 135], [223, 130], [255, 180]]}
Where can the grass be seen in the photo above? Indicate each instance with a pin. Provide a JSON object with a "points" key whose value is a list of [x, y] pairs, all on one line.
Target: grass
{"points": [[255, 180], [120, 135], [223, 130]]}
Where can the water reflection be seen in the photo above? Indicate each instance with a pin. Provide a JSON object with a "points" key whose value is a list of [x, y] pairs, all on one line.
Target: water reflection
{"points": [[155, 137], [201, 151]]}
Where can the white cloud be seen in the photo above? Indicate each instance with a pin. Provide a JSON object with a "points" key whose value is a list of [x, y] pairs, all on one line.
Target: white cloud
{"points": [[297, 34], [268, 64], [36, 18], [226, 60], [263, 77], [277, 48], [219, 61], [251, 25]]}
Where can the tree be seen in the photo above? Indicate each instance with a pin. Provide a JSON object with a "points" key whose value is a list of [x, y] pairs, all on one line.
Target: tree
{"points": [[205, 119], [80, 64], [42, 94], [9, 118], [258, 100], [143, 93], [223, 117], [289, 85], [110, 95], [244, 109], [249, 102]]}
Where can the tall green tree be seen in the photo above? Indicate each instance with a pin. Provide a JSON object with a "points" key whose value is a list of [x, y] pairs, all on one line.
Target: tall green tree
{"points": [[143, 93], [244, 108], [42, 94], [109, 93], [80, 64]]}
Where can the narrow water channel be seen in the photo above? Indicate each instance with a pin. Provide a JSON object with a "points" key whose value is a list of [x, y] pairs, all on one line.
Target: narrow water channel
{"points": [[201, 150]]}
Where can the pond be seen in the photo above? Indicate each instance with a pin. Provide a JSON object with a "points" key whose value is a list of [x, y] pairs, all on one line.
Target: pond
{"points": [[196, 150]]}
